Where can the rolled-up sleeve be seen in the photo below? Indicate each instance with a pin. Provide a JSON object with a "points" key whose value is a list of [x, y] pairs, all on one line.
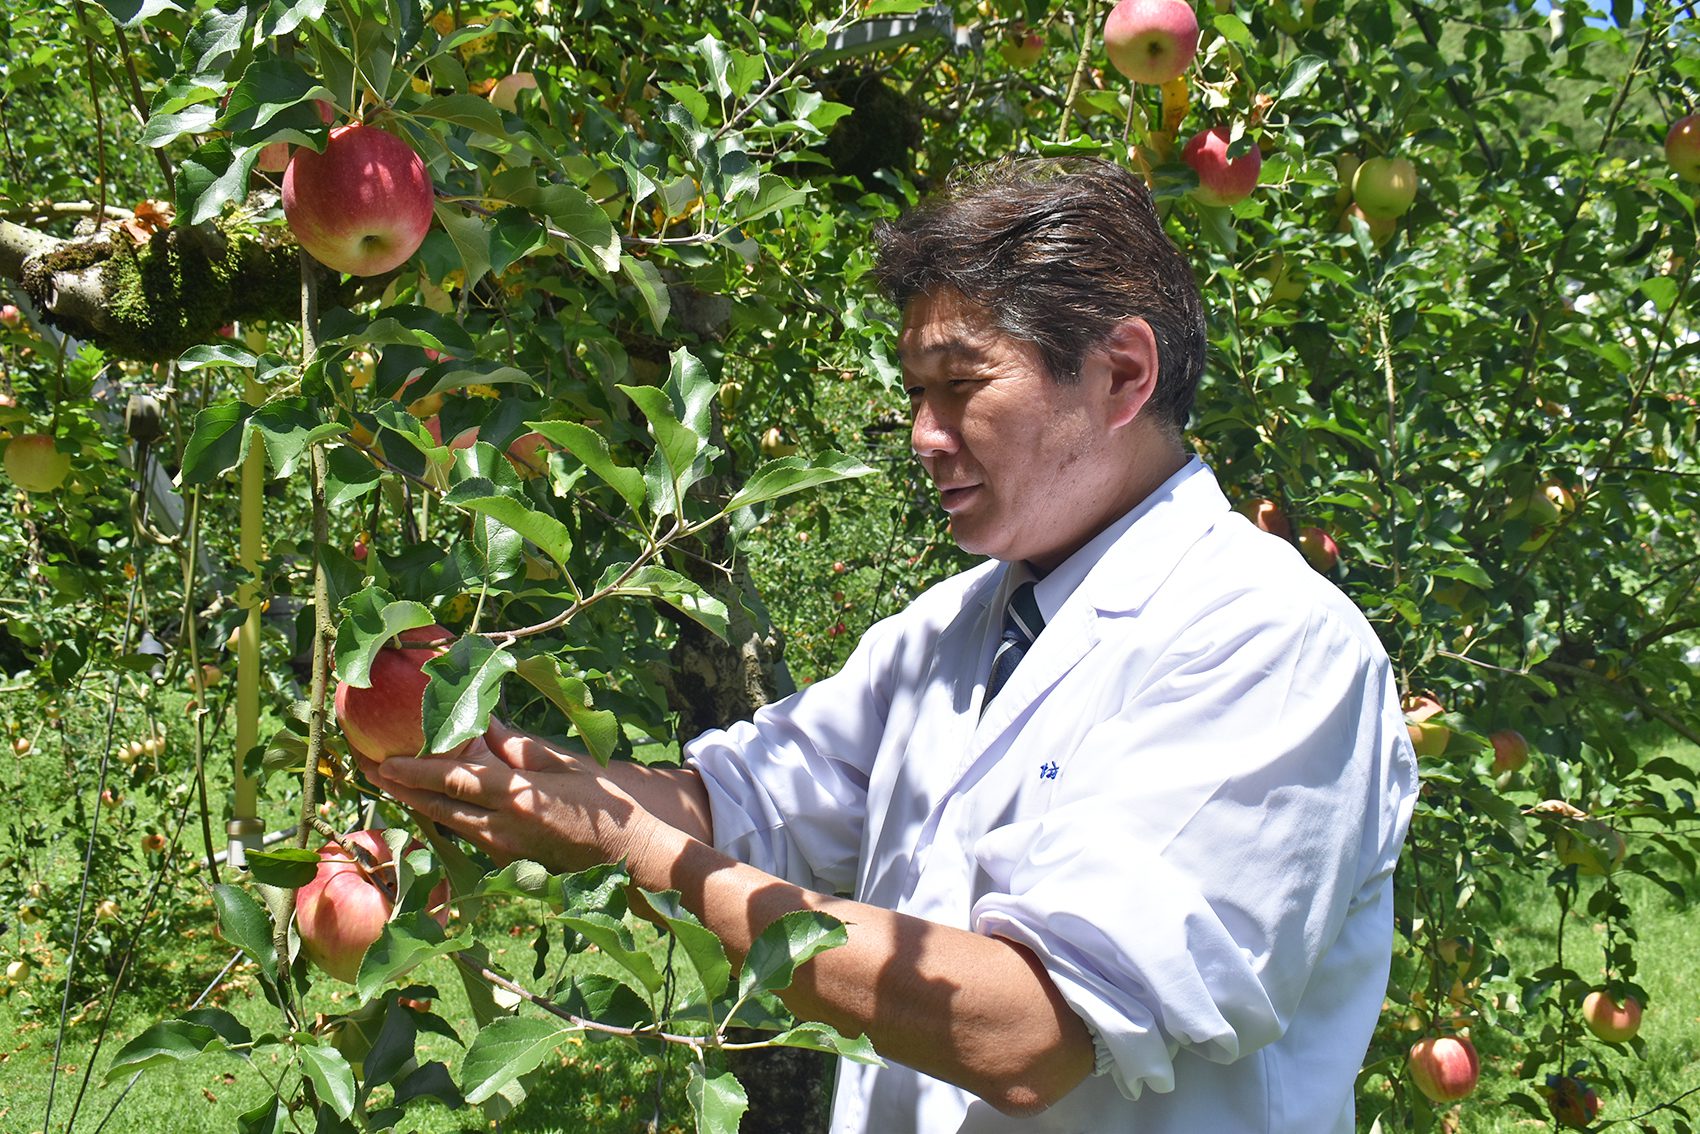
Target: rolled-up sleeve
{"points": [[1207, 841]]}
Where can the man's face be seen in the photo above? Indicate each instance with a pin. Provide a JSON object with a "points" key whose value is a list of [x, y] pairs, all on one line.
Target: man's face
{"points": [[1022, 464]]}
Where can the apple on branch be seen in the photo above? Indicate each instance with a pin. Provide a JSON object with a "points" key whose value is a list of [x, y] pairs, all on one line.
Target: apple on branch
{"points": [[1611, 1019], [274, 156], [1682, 147], [1151, 41], [1221, 180], [387, 718], [1510, 751], [1385, 188], [344, 909], [35, 463], [1267, 515], [505, 94], [361, 207], [1444, 1068], [1021, 47], [1319, 549]]}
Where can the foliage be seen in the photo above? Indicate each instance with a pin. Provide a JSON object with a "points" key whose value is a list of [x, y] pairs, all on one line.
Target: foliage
{"points": [[659, 256]]}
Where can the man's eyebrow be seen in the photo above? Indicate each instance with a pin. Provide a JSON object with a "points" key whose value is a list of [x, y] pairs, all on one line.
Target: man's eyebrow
{"points": [[956, 348]]}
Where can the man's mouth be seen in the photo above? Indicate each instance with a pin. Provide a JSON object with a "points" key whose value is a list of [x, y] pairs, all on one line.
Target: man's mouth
{"points": [[951, 499]]}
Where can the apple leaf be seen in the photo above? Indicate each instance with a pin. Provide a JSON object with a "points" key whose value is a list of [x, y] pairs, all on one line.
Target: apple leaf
{"points": [[824, 1037], [611, 936], [1301, 75], [471, 237], [215, 445], [212, 177], [512, 507], [701, 947], [133, 13], [573, 210], [403, 946], [173, 1041], [507, 1048], [372, 619], [269, 1117], [788, 942], [287, 427], [591, 448], [599, 729], [333, 1078], [461, 695], [246, 925], [348, 476], [794, 474], [717, 1099], [290, 868], [672, 588], [218, 35], [646, 277]]}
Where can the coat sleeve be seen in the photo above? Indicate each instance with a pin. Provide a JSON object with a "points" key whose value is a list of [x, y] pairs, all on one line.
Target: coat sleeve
{"points": [[788, 789], [1209, 839]]}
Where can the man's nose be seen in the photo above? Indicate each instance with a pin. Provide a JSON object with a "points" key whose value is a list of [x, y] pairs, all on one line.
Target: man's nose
{"points": [[930, 435]]}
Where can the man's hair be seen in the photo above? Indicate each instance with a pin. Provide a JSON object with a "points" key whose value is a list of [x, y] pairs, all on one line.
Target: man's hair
{"points": [[1059, 251]]}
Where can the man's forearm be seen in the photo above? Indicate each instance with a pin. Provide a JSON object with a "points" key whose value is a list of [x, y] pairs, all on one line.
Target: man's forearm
{"points": [[974, 1010]]}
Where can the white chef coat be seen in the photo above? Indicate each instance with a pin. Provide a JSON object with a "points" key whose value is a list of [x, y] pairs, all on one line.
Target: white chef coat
{"points": [[1187, 801]]}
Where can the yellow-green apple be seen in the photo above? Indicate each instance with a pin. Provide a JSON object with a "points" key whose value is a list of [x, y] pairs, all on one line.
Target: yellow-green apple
{"points": [[1022, 46], [1266, 514], [387, 717], [1592, 846], [107, 910], [775, 444], [1428, 735], [1571, 1102], [1543, 509], [1221, 180], [1385, 187], [1613, 1020], [1151, 41], [361, 207], [1319, 549], [1444, 1068], [1510, 750], [344, 909], [35, 463], [505, 94], [1682, 147]]}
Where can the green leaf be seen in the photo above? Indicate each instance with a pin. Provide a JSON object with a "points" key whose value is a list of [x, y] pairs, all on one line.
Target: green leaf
{"points": [[615, 941], [290, 868], [466, 110], [210, 178], [247, 926], [133, 13], [349, 475], [471, 237], [794, 474], [1301, 74], [507, 1048], [599, 729], [646, 277], [790, 941], [592, 450], [287, 427], [702, 948], [570, 208], [1233, 29], [215, 354], [465, 682], [823, 1037], [403, 946], [512, 507], [373, 618], [269, 1117], [215, 445], [672, 588], [717, 1100], [333, 1078], [170, 1041]]}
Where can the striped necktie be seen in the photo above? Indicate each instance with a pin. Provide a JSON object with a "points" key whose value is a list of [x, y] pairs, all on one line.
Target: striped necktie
{"points": [[1022, 623]]}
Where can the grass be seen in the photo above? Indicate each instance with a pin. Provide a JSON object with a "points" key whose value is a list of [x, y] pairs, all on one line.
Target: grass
{"points": [[602, 1087]]}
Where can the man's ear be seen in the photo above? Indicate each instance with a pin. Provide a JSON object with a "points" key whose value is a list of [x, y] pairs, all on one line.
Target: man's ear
{"points": [[1128, 356]]}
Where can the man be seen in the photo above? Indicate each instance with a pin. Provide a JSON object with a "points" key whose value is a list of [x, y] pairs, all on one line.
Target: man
{"points": [[1146, 886]]}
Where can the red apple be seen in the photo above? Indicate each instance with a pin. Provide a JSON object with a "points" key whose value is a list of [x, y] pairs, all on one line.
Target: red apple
{"points": [[1267, 515], [1444, 1068], [10, 317], [342, 911], [1319, 549], [529, 455], [387, 718], [35, 464], [153, 842], [1151, 41], [1572, 1102], [361, 207], [1221, 180], [1613, 1020], [505, 94], [1384, 187], [1682, 147], [1510, 750]]}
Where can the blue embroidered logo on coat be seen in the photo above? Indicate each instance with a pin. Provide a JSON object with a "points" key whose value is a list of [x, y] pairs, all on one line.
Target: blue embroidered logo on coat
{"points": [[1048, 771]]}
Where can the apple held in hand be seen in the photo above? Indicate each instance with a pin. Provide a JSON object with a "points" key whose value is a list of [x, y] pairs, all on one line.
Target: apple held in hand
{"points": [[1682, 147], [35, 464], [1385, 188], [344, 909], [387, 718], [361, 207], [1221, 180], [1151, 41], [1615, 1021], [1444, 1068]]}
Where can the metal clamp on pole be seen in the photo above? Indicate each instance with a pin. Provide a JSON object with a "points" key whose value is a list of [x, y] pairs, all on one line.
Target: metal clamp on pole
{"points": [[241, 832]]}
